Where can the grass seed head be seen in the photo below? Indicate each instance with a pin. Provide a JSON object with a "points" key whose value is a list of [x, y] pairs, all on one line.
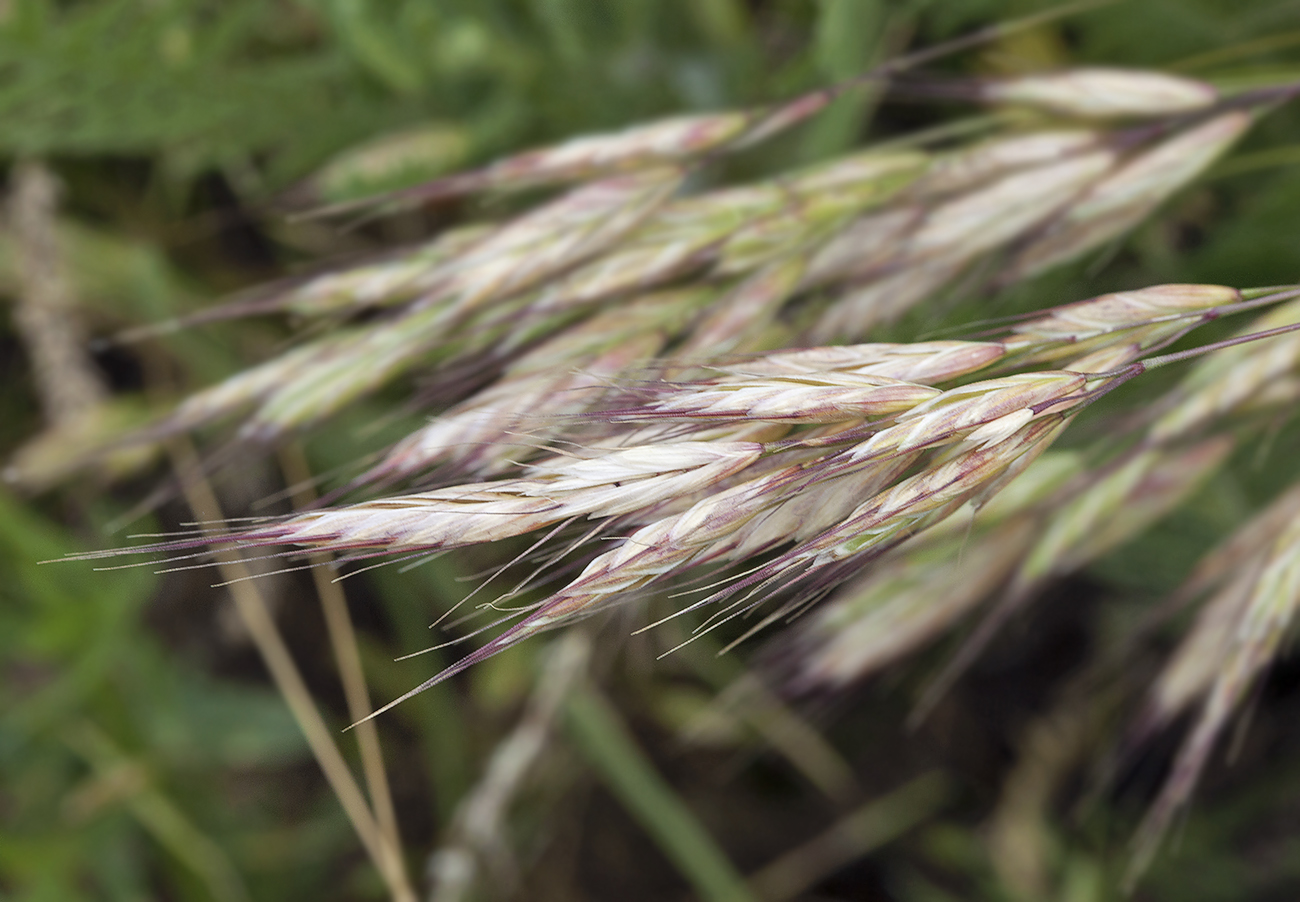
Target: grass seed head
{"points": [[988, 217], [551, 239], [1260, 619], [742, 313], [479, 435], [957, 413], [881, 299], [942, 489], [865, 245], [1231, 379], [1103, 93], [1121, 503], [810, 398], [1124, 198], [924, 362], [901, 604], [653, 144], [817, 204], [556, 490], [1139, 319], [973, 167]]}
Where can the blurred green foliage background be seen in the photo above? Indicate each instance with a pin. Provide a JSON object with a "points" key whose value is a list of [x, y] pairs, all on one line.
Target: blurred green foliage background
{"points": [[143, 754]]}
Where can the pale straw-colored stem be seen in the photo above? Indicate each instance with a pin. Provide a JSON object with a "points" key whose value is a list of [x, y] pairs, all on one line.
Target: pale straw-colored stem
{"points": [[44, 313], [343, 639], [477, 841], [284, 672]]}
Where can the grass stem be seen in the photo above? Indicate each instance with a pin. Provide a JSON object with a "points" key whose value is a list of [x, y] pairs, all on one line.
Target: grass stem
{"points": [[343, 639], [284, 672]]}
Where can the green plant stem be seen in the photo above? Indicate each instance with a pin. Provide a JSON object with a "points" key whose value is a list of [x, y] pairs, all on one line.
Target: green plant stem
{"points": [[873, 825], [158, 814], [603, 739]]}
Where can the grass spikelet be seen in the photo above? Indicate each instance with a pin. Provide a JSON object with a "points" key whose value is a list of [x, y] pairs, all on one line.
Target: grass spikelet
{"points": [[963, 412], [924, 362], [358, 362], [744, 313], [608, 485], [387, 282], [563, 375], [1230, 379], [880, 299], [1258, 619], [901, 604], [1120, 504], [1230, 570], [685, 239], [1074, 329], [978, 165], [963, 228], [1103, 93], [542, 243], [817, 204], [810, 507], [248, 388], [863, 246], [1084, 521], [1127, 196], [655, 144], [941, 489], [810, 398], [951, 233], [1197, 662], [477, 435]]}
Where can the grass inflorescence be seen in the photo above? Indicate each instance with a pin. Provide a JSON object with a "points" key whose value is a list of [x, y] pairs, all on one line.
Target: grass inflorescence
{"points": [[651, 384]]}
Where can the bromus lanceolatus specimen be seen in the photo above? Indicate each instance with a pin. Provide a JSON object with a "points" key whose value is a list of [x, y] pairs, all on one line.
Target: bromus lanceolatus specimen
{"points": [[653, 384]]}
